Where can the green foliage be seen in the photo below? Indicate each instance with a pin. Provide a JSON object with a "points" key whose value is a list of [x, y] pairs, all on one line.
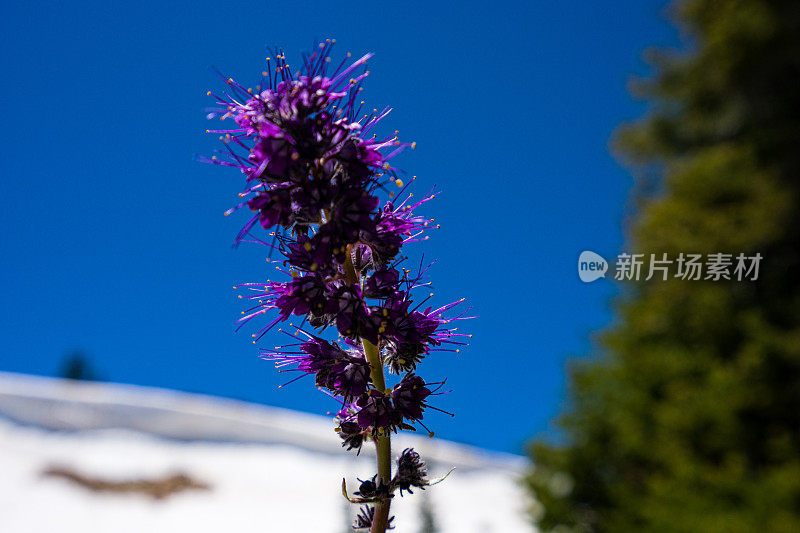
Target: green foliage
{"points": [[687, 418]]}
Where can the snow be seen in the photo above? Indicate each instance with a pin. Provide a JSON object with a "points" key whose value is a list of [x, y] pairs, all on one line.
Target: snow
{"points": [[268, 469]]}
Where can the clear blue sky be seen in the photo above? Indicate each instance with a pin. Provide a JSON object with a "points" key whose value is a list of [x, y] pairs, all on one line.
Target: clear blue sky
{"points": [[113, 240]]}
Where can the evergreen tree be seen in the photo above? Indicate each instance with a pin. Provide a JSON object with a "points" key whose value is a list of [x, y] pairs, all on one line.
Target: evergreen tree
{"points": [[427, 517], [687, 419], [76, 366]]}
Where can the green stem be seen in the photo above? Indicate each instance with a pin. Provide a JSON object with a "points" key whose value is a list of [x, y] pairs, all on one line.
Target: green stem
{"points": [[383, 445]]}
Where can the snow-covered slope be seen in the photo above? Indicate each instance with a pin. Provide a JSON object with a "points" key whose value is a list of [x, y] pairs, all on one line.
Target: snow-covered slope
{"points": [[268, 469]]}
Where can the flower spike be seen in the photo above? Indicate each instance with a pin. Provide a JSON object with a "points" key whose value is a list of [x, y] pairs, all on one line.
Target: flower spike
{"points": [[319, 179]]}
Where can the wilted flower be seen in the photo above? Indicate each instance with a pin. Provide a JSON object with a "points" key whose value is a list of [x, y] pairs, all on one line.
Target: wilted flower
{"points": [[411, 472], [365, 517], [373, 489], [352, 435]]}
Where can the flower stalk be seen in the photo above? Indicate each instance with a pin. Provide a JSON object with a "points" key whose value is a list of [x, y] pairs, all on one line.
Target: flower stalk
{"points": [[314, 173], [383, 445]]}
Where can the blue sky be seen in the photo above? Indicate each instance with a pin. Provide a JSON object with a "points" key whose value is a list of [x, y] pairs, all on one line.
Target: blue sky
{"points": [[113, 240]]}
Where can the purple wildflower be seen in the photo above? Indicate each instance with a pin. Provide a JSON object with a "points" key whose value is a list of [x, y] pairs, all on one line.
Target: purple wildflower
{"points": [[273, 206], [382, 283], [347, 306], [300, 254], [394, 226], [376, 411], [409, 396], [343, 373], [411, 335], [301, 296], [315, 173]]}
